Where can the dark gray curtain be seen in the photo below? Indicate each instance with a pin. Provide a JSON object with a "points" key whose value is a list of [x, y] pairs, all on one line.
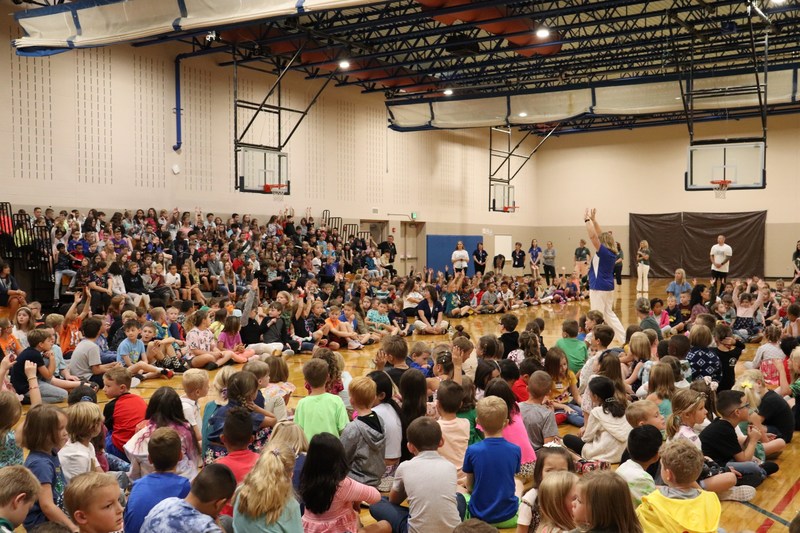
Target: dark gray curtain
{"points": [[684, 240], [664, 234]]}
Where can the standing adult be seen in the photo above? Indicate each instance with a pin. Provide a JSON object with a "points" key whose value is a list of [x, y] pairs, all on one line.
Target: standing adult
{"points": [[549, 261], [642, 267], [479, 257], [601, 273], [460, 258], [582, 255], [618, 264], [388, 246], [535, 251], [796, 263], [11, 295], [720, 256], [518, 260]]}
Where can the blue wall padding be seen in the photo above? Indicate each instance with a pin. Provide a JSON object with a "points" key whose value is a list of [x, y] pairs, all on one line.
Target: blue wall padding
{"points": [[441, 247]]}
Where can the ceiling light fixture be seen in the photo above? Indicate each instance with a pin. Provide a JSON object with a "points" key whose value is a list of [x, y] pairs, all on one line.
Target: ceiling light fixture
{"points": [[523, 114], [344, 63], [448, 92], [543, 32]]}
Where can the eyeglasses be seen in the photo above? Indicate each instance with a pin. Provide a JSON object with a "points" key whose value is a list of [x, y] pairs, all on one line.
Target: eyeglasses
{"points": [[745, 406]]}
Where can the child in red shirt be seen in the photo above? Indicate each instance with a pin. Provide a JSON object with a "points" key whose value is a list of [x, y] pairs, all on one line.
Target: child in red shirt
{"points": [[237, 434]]}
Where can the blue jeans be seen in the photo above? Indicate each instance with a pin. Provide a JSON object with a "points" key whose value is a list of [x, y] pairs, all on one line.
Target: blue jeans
{"points": [[752, 474], [397, 515], [113, 450], [576, 418]]}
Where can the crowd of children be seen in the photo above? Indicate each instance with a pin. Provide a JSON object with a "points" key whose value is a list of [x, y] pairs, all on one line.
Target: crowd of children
{"points": [[440, 437]]}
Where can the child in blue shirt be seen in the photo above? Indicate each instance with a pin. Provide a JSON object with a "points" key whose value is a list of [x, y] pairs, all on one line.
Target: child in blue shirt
{"points": [[132, 354], [164, 452], [490, 466]]}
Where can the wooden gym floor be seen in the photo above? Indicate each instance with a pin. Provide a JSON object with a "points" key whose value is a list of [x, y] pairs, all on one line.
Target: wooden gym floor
{"points": [[775, 503]]}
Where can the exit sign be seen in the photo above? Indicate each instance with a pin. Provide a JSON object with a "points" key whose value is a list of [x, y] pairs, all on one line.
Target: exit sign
{"points": [[413, 215]]}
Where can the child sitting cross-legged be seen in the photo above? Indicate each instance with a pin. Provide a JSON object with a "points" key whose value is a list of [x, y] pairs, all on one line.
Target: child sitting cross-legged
{"points": [[132, 354], [20, 490], [680, 506], [123, 413], [602, 504], [428, 482], [455, 431], [92, 502], [491, 466], [164, 453]]}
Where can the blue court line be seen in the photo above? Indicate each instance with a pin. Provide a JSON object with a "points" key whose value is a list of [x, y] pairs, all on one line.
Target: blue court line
{"points": [[772, 516]]}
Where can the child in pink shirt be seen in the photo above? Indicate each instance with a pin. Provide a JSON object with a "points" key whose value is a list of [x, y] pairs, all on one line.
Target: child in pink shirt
{"points": [[230, 339]]}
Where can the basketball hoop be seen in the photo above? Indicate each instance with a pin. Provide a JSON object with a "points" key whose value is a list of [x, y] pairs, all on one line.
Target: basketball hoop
{"points": [[720, 188], [510, 208], [277, 190]]}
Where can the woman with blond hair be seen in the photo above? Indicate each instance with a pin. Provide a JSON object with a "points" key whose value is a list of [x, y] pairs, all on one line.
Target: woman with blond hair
{"points": [[265, 502], [601, 273], [642, 267]]}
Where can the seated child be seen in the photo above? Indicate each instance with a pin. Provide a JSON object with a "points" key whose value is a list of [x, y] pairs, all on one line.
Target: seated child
{"points": [[551, 458], [164, 452], [419, 357], [275, 404], [427, 481], [132, 355], [320, 411], [203, 351], [84, 422], [455, 431], [564, 393], [769, 356], [85, 362], [195, 386], [540, 422], [574, 348], [92, 502], [237, 434], [680, 506], [211, 490], [643, 445], [123, 413], [491, 466], [20, 490], [364, 439], [606, 432], [241, 392], [41, 341], [720, 443], [230, 339], [508, 334], [163, 351]]}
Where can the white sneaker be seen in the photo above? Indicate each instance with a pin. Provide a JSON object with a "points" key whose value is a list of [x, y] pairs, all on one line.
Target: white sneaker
{"points": [[743, 493], [353, 344]]}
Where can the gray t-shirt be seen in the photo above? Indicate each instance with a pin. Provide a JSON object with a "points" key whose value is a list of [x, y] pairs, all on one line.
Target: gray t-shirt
{"points": [[549, 256], [429, 482], [85, 355], [540, 423]]}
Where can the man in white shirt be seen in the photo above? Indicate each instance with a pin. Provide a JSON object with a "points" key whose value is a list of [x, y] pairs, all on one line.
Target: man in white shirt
{"points": [[721, 254]]}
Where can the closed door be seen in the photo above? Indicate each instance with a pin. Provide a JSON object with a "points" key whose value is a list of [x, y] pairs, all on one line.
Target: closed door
{"points": [[503, 245], [410, 235]]}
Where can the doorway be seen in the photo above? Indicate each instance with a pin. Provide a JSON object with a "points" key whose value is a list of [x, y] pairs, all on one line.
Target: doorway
{"points": [[377, 229], [411, 247]]}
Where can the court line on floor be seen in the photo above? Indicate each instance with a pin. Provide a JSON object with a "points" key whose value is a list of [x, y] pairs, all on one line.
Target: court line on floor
{"points": [[778, 509], [772, 517]]}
